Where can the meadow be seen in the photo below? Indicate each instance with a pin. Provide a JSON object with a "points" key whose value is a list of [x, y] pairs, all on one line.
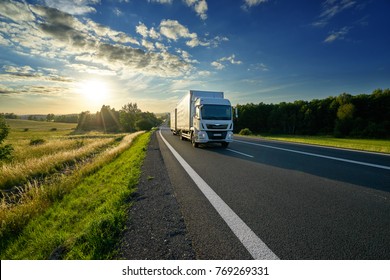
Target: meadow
{"points": [[64, 195]]}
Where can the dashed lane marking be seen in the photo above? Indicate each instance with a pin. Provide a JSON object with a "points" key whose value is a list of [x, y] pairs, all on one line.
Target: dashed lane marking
{"points": [[240, 153]]}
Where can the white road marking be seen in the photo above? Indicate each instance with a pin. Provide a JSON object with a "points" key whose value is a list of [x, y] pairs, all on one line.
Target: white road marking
{"points": [[237, 152], [255, 246], [317, 155]]}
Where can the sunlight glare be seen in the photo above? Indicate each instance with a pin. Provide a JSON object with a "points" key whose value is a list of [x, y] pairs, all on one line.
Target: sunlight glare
{"points": [[94, 91]]}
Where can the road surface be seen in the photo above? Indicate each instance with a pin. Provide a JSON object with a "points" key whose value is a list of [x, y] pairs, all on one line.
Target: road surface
{"points": [[273, 200]]}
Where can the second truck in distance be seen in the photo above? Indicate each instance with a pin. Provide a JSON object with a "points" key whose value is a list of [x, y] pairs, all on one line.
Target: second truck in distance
{"points": [[203, 117]]}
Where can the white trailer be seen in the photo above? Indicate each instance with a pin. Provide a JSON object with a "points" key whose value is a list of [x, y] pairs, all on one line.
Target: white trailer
{"points": [[203, 117]]}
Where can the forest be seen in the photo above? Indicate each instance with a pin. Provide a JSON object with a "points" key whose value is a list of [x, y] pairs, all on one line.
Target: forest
{"points": [[359, 116]]}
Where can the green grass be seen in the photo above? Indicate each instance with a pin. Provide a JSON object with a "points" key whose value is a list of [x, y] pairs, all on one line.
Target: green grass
{"points": [[25, 129], [86, 222], [370, 145]]}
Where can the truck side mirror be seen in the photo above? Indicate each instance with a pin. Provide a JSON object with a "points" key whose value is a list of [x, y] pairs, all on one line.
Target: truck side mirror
{"points": [[236, 112]]}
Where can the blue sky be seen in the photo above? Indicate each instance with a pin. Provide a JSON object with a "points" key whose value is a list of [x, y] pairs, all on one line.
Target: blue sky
{"points": [[68, 56]]}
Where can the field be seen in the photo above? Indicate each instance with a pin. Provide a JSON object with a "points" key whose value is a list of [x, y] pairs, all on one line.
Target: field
{"points": [[63, 195], [369, 145]]}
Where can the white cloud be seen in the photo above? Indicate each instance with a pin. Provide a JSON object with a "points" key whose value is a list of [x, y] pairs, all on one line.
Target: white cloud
{"points": [[186, 56], [200, 7], [230, 59], [258, 67], [74, 7], [161, 46], [148, 45], [117, 12], [172, 29], [154, 34], [331, 8], [204, 73], [15, 11], [252, 3], [337, 35], [217, 65], [161, 1], [105, 33], [143, 30], [26, 74]]}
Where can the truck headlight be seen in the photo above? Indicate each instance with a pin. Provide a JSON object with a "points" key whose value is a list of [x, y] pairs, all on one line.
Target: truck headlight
{"points": [[201, 135], [229, 135]]}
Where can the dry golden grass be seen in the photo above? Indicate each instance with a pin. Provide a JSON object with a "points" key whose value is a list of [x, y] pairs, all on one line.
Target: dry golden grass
{"points": [[18, 172], [23, 150]]}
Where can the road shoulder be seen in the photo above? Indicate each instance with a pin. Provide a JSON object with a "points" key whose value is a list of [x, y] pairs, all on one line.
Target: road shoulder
{"points": [[155, 228]]}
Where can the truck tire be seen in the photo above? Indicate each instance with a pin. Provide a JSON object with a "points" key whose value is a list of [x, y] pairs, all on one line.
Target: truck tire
{"points": [[194, 144]]}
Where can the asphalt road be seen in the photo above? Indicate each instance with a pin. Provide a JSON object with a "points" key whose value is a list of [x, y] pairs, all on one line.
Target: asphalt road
{"points": [[303, 202]]}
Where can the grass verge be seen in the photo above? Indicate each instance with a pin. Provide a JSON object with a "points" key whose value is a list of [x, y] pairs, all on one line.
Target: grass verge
{"points": [[19, 173], [87, 221], [369, 145]]}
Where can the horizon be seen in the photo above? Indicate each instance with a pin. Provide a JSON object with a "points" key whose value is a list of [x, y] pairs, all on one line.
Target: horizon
{"points": [[63, 57], [167, 112]]}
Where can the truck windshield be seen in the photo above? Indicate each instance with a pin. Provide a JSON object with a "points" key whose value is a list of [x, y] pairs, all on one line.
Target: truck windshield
{"points": [[216, 112]]}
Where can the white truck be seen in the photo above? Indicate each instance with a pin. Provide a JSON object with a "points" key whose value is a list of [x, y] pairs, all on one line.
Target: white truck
{"points": [[203, 117]]}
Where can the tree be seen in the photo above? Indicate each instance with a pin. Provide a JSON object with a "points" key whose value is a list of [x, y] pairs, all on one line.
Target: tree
{"points": [[109, 119], [344, 123], [128, 117], [5, 151], [345, 111], [50, 118], [85, 121]]}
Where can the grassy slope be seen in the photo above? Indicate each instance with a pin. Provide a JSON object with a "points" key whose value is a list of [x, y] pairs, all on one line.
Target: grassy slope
{"points": [[370, 145], [37, 129], [87, 222]]}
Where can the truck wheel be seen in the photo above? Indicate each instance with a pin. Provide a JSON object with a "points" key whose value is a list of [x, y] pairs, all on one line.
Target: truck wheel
{"points": [[225, 144], [194, 144]]}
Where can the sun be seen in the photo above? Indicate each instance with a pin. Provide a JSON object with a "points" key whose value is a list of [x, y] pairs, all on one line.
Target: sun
{"points": [[94, 91]]}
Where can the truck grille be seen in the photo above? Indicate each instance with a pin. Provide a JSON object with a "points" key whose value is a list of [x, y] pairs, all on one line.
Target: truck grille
{"points": [[216, 135], [217, 126]]}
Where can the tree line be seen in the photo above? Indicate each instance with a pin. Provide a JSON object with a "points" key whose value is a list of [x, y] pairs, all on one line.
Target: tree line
{"points": [[70, 118], [361, 116], [129, 119]]}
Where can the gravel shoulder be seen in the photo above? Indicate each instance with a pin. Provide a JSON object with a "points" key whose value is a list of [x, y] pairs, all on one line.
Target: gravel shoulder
{"points": [[155, 227]]}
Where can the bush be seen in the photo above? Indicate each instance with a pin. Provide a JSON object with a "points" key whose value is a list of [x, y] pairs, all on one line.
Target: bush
{"points": [[6, 152], [245, 131], [144, 124], [53, 129], [38, 141]]}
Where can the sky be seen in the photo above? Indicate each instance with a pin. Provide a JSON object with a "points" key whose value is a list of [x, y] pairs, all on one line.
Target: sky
{"points": [[69, 56]]}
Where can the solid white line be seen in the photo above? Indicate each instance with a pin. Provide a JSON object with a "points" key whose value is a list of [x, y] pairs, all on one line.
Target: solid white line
{"points": [[255, 246], [237, 152], [317, 155]]}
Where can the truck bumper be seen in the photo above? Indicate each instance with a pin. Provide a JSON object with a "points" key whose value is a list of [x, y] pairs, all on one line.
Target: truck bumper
{"points": [[214, 136]]}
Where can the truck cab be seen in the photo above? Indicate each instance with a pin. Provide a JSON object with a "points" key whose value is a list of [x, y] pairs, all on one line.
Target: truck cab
{"points": [[212, 121]]}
